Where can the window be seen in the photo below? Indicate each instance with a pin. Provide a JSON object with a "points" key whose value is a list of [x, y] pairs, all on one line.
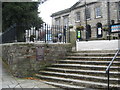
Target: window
{"points": [[87, 13], [77, 16], [57, 21], [65, 20], [98, 12]]}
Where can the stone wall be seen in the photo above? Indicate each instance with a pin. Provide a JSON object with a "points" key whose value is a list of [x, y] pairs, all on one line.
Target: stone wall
{"points": [[98, 45], [24, 59]]}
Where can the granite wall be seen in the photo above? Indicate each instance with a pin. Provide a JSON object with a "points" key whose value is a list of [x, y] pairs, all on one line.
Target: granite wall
{"points": [[25, 59]]}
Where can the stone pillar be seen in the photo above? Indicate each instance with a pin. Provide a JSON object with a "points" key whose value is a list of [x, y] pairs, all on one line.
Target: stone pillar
{"points": [[72, 37]]}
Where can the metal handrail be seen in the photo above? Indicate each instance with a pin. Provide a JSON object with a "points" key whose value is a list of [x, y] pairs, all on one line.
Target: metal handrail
{"points": [[108, 67]]}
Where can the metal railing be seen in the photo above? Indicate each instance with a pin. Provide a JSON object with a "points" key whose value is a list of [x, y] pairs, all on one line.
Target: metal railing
{"points": [[108, 67], [43, 33]]}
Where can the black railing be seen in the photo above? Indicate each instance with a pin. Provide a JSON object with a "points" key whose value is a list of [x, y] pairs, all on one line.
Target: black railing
{"points": [[108, 67], [44, 33]]}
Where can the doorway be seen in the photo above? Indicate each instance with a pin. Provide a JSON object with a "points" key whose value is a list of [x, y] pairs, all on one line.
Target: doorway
{"points": [[99, 30]]}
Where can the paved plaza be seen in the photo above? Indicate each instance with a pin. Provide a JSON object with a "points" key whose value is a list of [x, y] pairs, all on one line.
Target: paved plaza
{"points": [[8, 81]]}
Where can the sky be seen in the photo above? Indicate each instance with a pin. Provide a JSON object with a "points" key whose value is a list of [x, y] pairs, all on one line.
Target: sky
{"points": [[51, 6]]}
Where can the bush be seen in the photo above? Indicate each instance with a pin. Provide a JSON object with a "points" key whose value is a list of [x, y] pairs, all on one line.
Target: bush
{"points": [[105, 28], [80, 27], [70, 26]]}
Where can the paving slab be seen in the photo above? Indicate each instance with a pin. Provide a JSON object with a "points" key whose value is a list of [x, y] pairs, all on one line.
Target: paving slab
{"points": [[10, 82]]}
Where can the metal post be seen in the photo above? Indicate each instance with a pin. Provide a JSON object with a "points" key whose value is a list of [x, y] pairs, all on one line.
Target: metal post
{"points": [[86, 21], [108, 11], [64, 32], [69, 35], [45, 32], [108, 78]]}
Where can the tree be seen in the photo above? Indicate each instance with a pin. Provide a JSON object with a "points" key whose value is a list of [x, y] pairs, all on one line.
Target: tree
{"points": [[21, 14]]}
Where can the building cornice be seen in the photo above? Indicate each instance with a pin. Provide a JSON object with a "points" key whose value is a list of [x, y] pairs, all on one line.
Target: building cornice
{"points": [[68, 10], [82, 5], [61, 12]]}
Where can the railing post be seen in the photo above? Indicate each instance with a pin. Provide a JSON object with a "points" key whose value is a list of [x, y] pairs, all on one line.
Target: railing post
{"points": [[45, 32], [69, 34], [64, 32], [108, 78], [108, 67]]}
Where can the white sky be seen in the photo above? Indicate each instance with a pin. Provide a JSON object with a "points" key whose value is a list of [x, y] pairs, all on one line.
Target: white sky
{"points": [[51, 6]]}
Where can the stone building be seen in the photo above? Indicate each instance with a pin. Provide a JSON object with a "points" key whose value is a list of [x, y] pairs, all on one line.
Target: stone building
{"points": [[94, 17]]}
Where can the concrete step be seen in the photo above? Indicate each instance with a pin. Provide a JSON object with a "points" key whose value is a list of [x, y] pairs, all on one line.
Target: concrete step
{"points": [[90, 58], [83, 69], [85, 72], [95, 62], [91, 67], [64, 85], [91, 54], [80, 76], [82, 83], [95, 51]]}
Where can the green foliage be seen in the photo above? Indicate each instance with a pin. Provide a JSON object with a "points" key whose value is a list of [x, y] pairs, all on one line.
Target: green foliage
{"points": [[21, 13], [80, 27], [70, 26], [105, 28]]}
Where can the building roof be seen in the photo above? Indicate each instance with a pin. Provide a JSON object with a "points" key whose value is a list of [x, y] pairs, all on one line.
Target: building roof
{"points": [[75, 6], [64, 11], [60, 12]]}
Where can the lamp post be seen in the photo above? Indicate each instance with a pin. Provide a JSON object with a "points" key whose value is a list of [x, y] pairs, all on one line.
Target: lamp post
{"points": [[86, 21], [108, 17]]}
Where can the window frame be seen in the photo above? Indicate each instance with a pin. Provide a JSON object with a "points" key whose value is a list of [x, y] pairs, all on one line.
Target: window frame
{"points": [[58, 21], [98, 13], [77, 16], [66, 20]]}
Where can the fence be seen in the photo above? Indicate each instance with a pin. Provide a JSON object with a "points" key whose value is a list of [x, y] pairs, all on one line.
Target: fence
{"points": [[41, 33]]}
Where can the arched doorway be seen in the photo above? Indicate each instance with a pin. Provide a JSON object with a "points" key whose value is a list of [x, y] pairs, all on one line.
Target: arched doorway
{"points": [[88, 32], [99, 30]]}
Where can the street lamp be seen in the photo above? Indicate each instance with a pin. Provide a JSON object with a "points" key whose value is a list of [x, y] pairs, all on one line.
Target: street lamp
{"points": [[108, 17], [86, 21]]}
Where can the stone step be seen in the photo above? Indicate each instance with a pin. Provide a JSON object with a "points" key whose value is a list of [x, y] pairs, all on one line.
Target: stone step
{"points": [[95, 51], [80, 76], [85, 72], [91, 67], [89, 62], [83, 69], [91, 54], [82, 83], [64, 85], [90, 58]]}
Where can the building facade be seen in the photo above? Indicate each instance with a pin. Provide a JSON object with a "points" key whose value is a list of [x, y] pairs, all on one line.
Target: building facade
{"points": [[95, 17]]}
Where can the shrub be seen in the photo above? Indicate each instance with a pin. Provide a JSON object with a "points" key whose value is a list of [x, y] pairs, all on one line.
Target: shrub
{"points": [[105, 28], [80, 28], [70, 26]]}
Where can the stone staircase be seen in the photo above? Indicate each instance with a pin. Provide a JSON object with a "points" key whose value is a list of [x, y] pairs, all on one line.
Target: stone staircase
{"points": [[84, 69]]}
